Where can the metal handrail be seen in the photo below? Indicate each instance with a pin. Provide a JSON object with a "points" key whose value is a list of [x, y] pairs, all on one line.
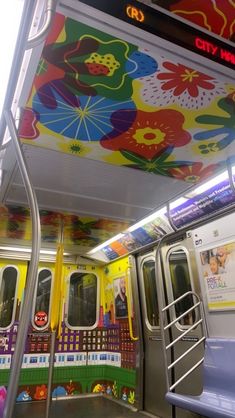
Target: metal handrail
{"points": [[182, 315], [184, 333], [201, 321], [27, 15], [32, 272], [129, 298], [42, 33], [186, 374], [186, 353]]}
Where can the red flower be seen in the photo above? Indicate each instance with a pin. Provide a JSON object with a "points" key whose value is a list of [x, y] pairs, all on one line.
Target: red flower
{"points": [[181, 78], [193, 173], [150, 133], [41, 393]]}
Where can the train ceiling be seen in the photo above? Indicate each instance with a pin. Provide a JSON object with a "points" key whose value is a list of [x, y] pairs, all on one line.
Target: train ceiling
{"points": [[102, 98], [113, 128]]}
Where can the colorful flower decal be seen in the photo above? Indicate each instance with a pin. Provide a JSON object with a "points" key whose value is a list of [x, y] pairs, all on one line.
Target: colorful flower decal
{"points": [[141, 65], [216, 16], [93, 118], [74, 147], [157, 165], [24, 396], [28, 125], [3, 394], [150, 133], [59, 391], [41, 393], [85, 64], [194, 172], [185, 86], [225, 125], [181, 78]]}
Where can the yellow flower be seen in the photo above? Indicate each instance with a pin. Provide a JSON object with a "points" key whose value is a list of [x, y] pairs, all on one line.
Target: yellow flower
{"points": [[74, 147]]}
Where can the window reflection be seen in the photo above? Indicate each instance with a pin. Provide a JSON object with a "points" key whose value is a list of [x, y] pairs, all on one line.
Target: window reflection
{"points": [[82, 304], [42, 303], [7, 295], [180, 279], [150, 290]]}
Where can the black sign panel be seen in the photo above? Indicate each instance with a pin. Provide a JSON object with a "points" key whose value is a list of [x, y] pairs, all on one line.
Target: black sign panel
{"points": [[168, 28]]}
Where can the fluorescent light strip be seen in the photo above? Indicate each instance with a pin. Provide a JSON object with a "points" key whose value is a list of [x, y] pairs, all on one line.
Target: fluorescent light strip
{"points": [[144, 221], [109, 241], [148, 219], [177, 202], [208, 185], [28, 250]]}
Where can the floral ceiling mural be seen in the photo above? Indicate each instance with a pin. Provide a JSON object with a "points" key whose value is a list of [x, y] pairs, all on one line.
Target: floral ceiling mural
{"points": [[217, 16], [100, 97], [87, 232]]}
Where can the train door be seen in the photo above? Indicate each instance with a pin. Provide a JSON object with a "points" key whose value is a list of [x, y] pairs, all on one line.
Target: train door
{"points": [[154, 388], [180, 276]]}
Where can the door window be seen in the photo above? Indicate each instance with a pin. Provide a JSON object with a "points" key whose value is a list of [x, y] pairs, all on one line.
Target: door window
{"points": [[150, 291], [82, 300], [8, 287], [42, 299], [181, 283]]}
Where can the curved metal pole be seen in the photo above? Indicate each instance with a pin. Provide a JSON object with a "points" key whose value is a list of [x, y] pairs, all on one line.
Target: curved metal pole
{"points": [[170, 218], [32, 273], [42, 33], [25, 25]]}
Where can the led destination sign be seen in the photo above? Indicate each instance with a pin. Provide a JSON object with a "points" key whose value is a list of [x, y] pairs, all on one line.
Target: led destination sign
{"points": [[168, 28]]}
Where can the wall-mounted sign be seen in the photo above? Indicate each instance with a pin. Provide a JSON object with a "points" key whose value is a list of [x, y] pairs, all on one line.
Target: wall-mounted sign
{"points": [[135, 13], [217, 267], [40, 319], [206, 203]]}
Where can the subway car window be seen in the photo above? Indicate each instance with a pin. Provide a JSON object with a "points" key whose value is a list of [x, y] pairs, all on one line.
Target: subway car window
{"points": [[8, 285], [181, 283], [42, 300], [82, 301], [150, 291]]}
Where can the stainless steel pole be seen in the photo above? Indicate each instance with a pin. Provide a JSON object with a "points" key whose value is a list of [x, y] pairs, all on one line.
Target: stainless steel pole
{"points": [[50, 372], [26, 21], [32, 272], [41, 35]]}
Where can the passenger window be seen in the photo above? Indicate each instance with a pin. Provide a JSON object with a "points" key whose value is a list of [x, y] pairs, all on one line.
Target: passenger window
{"points": [[8, 286], [180, 279], [150, 291], [42, 299], [82, 300]]}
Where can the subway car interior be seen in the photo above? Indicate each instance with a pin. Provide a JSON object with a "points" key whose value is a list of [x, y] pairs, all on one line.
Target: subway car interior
{"points": [[117, 223]]}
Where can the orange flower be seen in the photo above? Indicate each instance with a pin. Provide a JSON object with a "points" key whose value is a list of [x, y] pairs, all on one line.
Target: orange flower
{"points": [[41, 393]]}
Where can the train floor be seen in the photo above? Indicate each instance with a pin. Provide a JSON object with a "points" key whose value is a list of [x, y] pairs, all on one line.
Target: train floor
{"points": [[90, 407]]}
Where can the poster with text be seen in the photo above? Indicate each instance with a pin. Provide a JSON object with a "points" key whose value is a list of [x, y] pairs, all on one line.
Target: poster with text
{"points": [[218, 268], [120, 290]]}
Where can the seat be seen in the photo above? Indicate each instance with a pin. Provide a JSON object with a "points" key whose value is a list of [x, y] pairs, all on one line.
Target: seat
{"points": [[218, 397]]}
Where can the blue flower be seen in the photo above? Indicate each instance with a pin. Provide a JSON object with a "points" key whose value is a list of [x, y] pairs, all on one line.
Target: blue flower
{"points": [[90, 120], [140, 65]]}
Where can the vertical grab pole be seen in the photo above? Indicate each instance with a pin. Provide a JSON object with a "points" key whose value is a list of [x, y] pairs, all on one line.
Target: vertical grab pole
{"points": [[55, 313], [129, 299], [32, 273]]}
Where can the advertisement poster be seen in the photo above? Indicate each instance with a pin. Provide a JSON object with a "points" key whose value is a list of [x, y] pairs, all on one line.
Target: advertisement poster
{"points": [[208, 202], [120, 290], [218, 267]]}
